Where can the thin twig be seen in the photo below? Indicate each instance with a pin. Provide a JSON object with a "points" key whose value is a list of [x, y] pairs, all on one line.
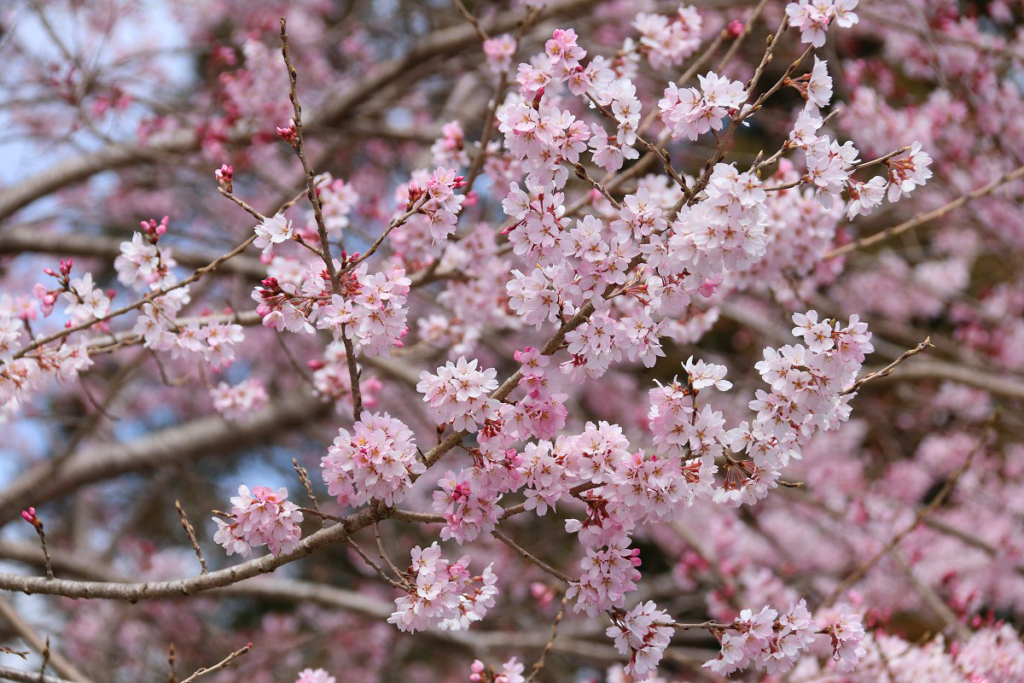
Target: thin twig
{"points": [[932, 599], [582, 174], [191, 533], [219, 665], [381, 551], [748, 26], [311, 191], [314, 199], [539, 664], [308, 485], [376, 567], [529, 557], [172, 677], [472, 20], [888, 369]]}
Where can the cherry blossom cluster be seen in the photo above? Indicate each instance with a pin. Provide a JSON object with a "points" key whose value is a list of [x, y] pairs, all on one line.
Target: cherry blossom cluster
{"points": [[511, 672], [262, 518], [468, 504], [273, 231], [499, 52], [691, 113], [642, 633], [371, 310], [375, 461], [459, 394], [20, 377], [808, 393], [726, 231], [443, 594], [813, 17], [767, 639], [142, 262], [213, 342], [830, 165], [438, 200], [85, 301], [241, 401], [449, 150], [667, 41], [314, 676]]}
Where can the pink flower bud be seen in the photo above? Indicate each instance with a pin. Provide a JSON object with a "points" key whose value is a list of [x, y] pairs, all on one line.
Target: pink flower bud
{"points": [[735, 28]]}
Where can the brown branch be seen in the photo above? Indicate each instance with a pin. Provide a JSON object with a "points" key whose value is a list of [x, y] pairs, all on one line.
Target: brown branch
{"points": [[21, 676], [204, 437], [221, 578]]}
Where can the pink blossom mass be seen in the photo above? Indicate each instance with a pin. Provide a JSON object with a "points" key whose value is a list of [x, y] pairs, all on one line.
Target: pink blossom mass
{"points": [[597, 341]]}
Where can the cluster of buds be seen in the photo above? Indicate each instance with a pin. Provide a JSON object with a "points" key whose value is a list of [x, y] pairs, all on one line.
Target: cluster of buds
{"points": [[289, 134], [153, 230], [225, 175], [49, 297], [29, 516]]}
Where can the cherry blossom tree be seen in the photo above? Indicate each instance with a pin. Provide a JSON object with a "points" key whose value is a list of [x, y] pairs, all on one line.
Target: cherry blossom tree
{"points": [[594, 340]]}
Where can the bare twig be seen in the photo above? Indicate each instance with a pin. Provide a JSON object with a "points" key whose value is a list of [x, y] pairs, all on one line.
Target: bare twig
{"points": [[539, 664], [748, 26], [888, 369], [472, 20], [191, 533], [219, 665], [308, 485], [932, 599], [172, 677], [529, 557], [381, 551], [377, 568]]}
